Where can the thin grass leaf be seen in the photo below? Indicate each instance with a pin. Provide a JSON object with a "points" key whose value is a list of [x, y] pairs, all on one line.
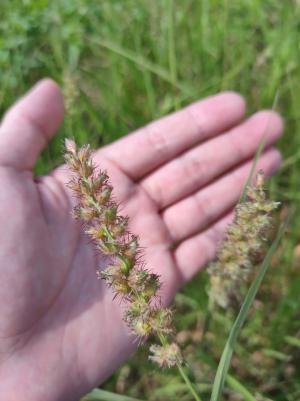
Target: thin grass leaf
{"points": [[280, 356], [92, 112], [294, 341], [252, 171], [257, 156], [171, 43], [102, 395], [290, 161], [239, 388], [232, 382], [171, 390], [141, 62], [240, 320], [172, 51]]}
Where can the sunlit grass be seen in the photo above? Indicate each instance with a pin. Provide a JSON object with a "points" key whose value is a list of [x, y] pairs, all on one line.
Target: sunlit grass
{"points": [[134, 61]]}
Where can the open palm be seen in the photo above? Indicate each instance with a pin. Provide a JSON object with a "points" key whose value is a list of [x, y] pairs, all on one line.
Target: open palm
{"points": [[177, 179]]}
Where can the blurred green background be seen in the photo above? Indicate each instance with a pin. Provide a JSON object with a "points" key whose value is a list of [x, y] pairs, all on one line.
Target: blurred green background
{"points": [[123, 63]]}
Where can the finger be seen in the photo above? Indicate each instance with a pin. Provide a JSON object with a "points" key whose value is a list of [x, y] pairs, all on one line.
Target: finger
{"points": [[197, 167], [160, 141], [195, 213], [194, 253], [29, 124]]}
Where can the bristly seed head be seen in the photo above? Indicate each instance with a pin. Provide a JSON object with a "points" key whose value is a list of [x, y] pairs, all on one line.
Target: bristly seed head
{"points": [[166, 356], [125, 273], [244, 245]]}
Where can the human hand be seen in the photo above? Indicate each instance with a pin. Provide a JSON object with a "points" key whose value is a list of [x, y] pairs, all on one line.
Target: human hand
{"points": [[178, 179]]}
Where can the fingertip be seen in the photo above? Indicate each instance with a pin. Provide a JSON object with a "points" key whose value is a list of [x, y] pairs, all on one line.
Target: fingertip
{"points": [[235, 99], [271, 121], [45, 99], [49, 89], [275, 160], [48, 83], [30, 123], [276, 155], [218, 112], [270, 162]]}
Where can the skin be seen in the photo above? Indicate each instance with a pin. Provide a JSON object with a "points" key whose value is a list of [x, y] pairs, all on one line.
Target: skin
{"points": [[178, 179]]}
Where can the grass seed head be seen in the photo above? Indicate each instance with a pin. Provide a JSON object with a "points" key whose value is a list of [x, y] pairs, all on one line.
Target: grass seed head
{"points": [[244, 245], [125, 274], [165, 356]]}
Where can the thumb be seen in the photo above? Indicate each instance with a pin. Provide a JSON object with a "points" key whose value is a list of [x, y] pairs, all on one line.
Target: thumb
{"points": [[29, 125]]}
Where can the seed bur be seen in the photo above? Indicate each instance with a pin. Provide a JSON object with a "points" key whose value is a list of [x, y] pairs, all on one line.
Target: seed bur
{"points": [[125, 272]]}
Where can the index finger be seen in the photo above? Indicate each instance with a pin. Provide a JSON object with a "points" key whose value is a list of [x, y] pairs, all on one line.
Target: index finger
{"points": [[158, 142]]}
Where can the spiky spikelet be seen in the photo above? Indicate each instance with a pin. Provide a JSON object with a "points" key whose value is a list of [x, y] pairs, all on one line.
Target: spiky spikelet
{"points": [[244, 246], [125, 272], [165, 356], [70, 91]]}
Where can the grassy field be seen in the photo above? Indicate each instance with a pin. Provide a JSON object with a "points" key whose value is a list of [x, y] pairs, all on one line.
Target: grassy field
{"points": [[126, 62]]}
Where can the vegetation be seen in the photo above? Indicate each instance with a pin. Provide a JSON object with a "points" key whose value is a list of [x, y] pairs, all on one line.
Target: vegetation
{"points": [[124, 63]]}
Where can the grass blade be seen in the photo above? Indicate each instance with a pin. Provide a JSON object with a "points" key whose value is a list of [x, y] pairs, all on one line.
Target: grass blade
{"points": [[252, 171], [240, 320], [257, 155], [102, 395], [141, 62], [294, 341], [239, 388]]}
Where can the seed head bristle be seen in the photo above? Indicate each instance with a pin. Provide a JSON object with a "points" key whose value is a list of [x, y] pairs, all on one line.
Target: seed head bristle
{"points": [[125, 274], [244, 245]]}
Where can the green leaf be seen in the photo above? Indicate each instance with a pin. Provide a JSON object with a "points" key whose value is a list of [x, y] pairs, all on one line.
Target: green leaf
{"points": [[102, 395], [239, 388], [292, 341], [140, 61], [257, 155], [271, 353]]}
